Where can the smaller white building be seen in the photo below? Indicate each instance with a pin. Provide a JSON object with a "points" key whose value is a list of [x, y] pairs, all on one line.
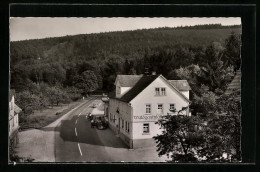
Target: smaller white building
{"points": [[14, 111], [138, 103]]}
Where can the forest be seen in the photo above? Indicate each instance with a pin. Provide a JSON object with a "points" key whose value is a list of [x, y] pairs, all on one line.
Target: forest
{"points": [[57, 70]]}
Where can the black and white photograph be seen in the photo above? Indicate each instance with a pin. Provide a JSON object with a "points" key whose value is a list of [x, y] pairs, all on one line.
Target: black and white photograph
{"points": [[125, 89]]}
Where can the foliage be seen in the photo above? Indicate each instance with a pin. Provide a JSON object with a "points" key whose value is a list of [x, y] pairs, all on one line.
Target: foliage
{"points": [[179, 137], [189, 73], [56, 95], [73, 93], [86, 82], [27, 101], [205, 103], [232, 50], [209, 138]]}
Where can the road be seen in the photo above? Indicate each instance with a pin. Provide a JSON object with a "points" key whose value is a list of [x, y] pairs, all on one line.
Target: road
{"points": [[71, 139], [76, 141]]}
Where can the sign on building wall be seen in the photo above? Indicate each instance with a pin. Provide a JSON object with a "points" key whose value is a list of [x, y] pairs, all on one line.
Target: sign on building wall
{"points": [[148, 117]]}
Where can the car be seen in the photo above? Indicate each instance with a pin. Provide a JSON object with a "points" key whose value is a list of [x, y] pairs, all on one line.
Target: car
{"points": [[99, 122], [94, 105], [89, 116]]}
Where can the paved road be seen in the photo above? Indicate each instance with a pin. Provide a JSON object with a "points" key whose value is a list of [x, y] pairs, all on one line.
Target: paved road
{"points": [[76, 141], [71, 139]]}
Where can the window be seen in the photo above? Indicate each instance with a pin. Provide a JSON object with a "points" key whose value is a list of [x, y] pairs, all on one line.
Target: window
{"points": [[160, 108], [163, 92], [148, 109], [146, 128], [125, 126], [128, 127], [114, 119], [118, 90], [157, 91], [160, 91], [172, 106], [122, 123]]}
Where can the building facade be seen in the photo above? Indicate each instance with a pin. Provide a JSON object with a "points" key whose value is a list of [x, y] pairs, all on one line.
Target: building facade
{"points": [[140, 101], [14, 111]]}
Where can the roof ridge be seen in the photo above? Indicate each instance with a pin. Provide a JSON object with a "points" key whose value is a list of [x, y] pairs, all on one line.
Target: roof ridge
{"points": [[177, 79]]}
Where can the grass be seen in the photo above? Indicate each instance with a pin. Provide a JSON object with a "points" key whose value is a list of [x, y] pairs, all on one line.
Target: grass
{"points": [[43, 118]]}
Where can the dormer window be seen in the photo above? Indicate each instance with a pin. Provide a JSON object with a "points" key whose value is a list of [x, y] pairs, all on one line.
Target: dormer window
{"points": [[160, 91], [163, 92], [157, 91]]}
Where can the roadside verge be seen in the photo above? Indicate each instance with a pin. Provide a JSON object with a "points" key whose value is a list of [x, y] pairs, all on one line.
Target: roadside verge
{"points": [[39, 144]]}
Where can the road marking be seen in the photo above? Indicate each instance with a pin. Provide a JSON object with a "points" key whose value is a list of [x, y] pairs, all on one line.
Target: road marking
{"points": [[76, 121], [76, 131], [79, 150], [79, 114]]}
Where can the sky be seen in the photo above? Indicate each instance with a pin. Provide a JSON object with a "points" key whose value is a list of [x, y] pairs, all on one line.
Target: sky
{"points": [[43, 27]]}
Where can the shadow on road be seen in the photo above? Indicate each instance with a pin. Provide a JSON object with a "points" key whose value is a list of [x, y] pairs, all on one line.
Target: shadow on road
{"points": [[86, 134]]}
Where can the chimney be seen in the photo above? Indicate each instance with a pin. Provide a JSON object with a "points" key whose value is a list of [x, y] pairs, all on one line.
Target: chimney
{"points": [[153, 73], [146, 71]]}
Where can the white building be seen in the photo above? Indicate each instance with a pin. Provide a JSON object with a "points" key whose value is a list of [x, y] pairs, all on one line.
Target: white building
{"points": [[14, 110], [140, 101]]}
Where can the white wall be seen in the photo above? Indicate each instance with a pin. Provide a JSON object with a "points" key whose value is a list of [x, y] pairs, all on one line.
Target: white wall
{"points": [[121, 90], [118, 90], [186, 93], [147, 96], [13, 121], [138, 130], [125, 113], [125, 90]]}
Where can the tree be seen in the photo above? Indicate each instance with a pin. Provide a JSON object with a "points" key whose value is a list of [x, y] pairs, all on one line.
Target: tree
{"points": [[216, 76], [86, 82], [179, 137], [28, 102], [232, 51], [55, 95], [208, 138], [230, 105]]}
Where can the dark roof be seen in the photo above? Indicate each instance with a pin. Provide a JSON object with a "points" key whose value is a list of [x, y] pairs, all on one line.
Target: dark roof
{"points": [[235, 85], [128, 80], [181, 85], [142, 83]]}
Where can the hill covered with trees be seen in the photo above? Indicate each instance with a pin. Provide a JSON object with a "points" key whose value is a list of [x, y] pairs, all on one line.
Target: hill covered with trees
{"points": [[54, 70]]}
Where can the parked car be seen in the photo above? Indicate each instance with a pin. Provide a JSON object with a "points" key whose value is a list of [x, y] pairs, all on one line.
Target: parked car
{"points": [[99, 122], [89, 116], [94, 105]]}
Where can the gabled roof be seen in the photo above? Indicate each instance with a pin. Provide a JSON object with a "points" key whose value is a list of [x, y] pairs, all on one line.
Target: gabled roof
{"points": [[141, 84], [181, 85], [128, 80], [17, 109], [235, 85]]}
